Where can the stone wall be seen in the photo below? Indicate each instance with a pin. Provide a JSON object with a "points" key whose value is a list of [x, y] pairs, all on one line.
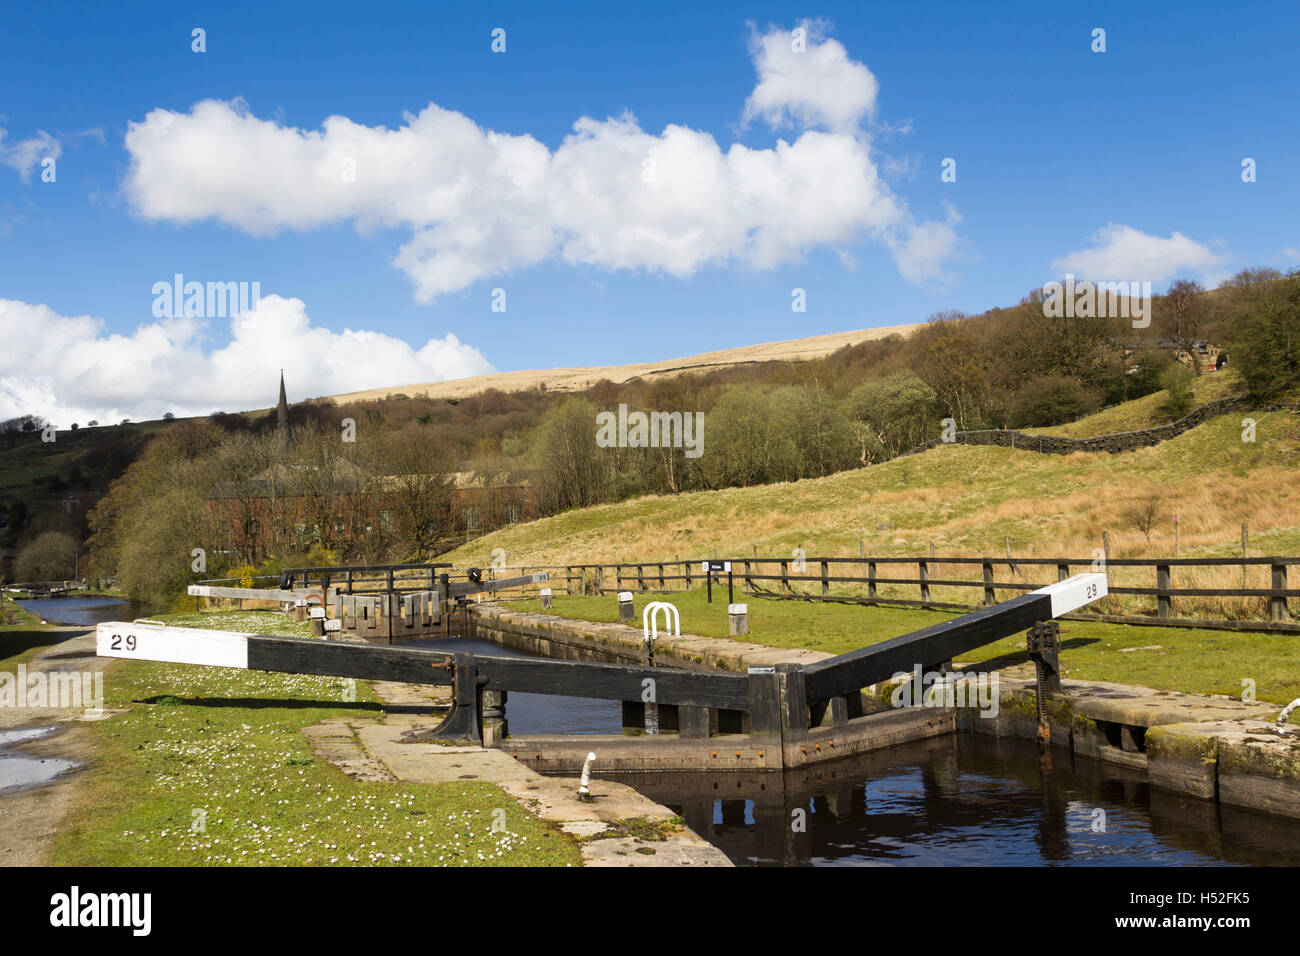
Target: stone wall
{"points": [[1114, 443]]}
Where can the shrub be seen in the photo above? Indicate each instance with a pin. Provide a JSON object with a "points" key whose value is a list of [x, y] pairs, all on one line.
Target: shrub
{"points": [[1177, 380], [1052, 400]]}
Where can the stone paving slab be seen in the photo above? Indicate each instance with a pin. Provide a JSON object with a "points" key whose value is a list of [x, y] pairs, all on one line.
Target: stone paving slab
{"points": [[374, 749]]}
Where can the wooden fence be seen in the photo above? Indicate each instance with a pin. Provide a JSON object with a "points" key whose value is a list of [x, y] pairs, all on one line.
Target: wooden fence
{"points": [[916, 582]]}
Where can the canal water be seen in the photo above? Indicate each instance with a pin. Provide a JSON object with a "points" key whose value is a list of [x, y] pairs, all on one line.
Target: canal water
{"points": [[87, 611], [959, 800]]}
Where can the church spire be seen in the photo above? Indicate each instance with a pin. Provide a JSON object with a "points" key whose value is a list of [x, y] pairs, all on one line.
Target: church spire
{"points": [[282, 415]]}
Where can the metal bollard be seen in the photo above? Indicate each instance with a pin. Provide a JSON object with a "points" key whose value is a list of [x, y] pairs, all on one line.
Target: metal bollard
{"points": [[584, 785]]}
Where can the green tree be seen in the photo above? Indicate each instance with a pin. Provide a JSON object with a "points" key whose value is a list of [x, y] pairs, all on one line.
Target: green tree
{"points": [[1052, 400], [1265, 344], [1177, 381], [891, 415], [50, 556]]}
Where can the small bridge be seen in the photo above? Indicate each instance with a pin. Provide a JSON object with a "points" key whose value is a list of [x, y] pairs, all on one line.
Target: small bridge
{"points": [[46, 589], [769, 718]]}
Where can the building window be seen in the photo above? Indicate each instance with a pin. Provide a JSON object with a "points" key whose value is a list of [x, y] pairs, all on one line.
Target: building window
{"points": [[471, 519], [386, 521], [254, 527], [514, 514], [340, 525]]}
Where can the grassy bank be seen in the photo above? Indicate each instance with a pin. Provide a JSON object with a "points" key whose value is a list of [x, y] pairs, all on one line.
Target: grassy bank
{"points": [[1192, 660], [222, 748]]}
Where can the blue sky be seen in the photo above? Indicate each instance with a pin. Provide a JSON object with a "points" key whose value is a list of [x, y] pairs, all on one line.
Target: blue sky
{"points": [[1133, 154]]}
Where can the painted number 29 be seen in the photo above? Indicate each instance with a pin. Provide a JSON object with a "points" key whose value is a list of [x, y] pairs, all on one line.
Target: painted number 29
{"points": [[117, 642], [1091, 591]]}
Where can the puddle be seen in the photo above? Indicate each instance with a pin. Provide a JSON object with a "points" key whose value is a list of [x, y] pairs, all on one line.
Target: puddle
{"points": [[17, 770]]}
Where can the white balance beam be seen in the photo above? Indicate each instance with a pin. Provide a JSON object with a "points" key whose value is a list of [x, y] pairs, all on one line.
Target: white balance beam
{"points": [[172, 645], [1075, 592]]}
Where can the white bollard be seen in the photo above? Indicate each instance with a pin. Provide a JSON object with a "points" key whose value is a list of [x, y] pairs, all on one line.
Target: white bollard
{"points": [[584, 785], [738, 617], [626, 613], [1283, 717], [546, 597]]}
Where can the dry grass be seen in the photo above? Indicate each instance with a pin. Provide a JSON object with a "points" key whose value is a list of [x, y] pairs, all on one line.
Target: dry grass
{"points": [[967, 501]]}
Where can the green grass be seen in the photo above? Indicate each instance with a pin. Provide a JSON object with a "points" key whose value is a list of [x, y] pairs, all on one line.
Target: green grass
{"points": [[1191, 660], [223, 746]]}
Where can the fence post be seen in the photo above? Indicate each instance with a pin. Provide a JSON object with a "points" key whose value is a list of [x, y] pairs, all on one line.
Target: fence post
{"points": [[687, 566], [826, 585], [785, 575], [640, 577], [600, 582], [990, 596], [661, 578], [1277, 610], [923, 572], [749, 583], [1062, 572], [1163, 602]]}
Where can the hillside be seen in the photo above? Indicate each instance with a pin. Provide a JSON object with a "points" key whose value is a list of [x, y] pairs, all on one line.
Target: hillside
{"points": [[963, 500], [576, 379], [1144, 412]]}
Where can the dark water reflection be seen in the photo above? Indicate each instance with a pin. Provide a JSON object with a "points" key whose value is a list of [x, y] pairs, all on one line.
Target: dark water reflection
{"points": [[965, 801]]}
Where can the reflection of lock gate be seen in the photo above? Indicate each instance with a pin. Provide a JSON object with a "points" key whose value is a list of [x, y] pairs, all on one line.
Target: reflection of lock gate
{"points": [[781, 716]]}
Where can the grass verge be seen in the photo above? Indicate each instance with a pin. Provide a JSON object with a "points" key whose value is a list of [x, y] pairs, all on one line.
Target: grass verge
{"points": [[207, 767]]}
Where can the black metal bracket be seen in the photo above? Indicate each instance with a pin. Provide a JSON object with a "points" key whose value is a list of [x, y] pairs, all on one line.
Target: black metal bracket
{"points": [[1043, 642], [464, 723]]}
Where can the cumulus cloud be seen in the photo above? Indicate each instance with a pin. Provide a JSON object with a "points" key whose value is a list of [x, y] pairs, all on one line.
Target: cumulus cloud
{"points": [[805, 79], [75, 371], [1121, 252], [25, 154], [479, 203]]}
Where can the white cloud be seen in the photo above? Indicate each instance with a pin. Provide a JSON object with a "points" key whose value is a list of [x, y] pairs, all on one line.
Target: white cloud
{"points": [[480, 204], [70, 369], [816, 86], [25, 154], [1123, 253]]}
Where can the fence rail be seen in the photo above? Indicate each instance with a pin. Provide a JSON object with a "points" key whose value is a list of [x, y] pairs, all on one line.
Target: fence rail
{"points": [[1008, 575]]}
